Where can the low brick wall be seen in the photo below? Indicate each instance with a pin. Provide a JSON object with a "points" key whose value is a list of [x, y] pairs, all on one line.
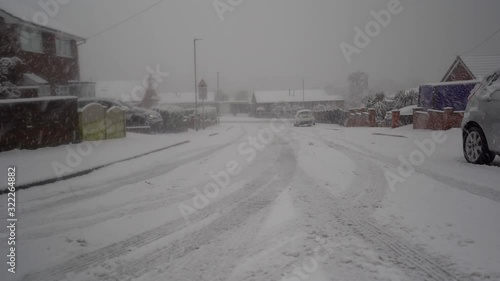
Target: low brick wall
{"points": [[38, 122], [436, 119], [353, 118]]}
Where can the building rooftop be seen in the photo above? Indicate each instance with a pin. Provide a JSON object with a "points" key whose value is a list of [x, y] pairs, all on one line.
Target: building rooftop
{"points": [[295, 96]]}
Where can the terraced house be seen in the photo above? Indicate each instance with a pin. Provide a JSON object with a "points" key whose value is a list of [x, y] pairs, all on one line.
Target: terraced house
{"points": [[49, 58]]}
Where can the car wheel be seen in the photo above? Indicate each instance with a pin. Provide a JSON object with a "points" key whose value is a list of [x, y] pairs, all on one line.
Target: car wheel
{"points": [[476, 148]]}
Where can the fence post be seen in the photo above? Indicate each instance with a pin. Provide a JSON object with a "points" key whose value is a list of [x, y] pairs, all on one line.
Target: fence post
{"points": [[372, 117], [396, 116], [447, 118]]}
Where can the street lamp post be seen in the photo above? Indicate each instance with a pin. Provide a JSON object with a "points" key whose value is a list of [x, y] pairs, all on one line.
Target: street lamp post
{"points": [[195, 86], [218, 95], [203, 89]]}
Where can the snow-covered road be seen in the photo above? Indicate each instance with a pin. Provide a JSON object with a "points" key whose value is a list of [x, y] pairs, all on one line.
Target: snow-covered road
{"points": [[262, 200]]}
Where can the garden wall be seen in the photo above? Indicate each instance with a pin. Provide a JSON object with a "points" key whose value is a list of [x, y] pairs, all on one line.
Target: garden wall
{"points": [[38, 122], [436, 119], [353, 118]]}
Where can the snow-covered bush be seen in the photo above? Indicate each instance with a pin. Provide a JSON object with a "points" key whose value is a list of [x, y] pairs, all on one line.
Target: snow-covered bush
{"points": [[406, 98], [323, 107], [173, 118], [7, 89], [285, 110], [378, 103]]}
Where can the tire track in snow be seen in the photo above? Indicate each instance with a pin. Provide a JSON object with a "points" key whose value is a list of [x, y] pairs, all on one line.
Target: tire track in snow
{"points": [[236, 200], [369, 187], [472, 188], [411, 258], [113, 184], [273, 182]]}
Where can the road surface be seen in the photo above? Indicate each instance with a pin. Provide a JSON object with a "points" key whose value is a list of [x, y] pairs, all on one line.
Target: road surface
{"points": [[261, 200]]}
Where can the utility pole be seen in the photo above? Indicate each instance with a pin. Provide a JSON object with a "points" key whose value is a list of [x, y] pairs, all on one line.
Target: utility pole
{"points": [[303, 90], [195, 87], [218, 95]]}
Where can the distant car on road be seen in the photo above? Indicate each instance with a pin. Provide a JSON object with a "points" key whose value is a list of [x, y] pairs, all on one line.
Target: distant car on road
{"points": [[135, 116], [304, 117], [481, 123]]}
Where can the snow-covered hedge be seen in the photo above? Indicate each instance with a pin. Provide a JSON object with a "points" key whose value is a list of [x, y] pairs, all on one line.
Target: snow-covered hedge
{"points": [[285, 110], [173, 118]]}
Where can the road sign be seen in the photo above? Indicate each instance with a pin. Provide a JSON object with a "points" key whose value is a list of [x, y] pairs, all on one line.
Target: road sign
{"points": [[202, 90]]}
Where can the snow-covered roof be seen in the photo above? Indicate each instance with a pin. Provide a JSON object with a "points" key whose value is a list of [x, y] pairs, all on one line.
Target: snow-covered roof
{"points": [[33, 79], [452, 83], [23, 100], [15, 13], [183, 98], [295, 96], [125, 91], [482, 65]]}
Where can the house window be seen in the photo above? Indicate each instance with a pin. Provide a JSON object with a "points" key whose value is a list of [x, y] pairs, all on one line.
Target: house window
{"points": [[63, 47], [62, 90], [31, 41]]}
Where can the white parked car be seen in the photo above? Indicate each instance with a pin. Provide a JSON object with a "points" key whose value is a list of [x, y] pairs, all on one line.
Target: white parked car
{"points": [[481, 123], [304, 117]]}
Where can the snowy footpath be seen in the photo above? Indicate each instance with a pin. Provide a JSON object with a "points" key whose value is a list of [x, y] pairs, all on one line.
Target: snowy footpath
{"points": [[263, 200], [56, 162]]}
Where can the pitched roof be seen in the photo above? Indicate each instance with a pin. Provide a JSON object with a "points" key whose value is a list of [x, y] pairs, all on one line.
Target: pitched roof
{"points": [[183, 98], [481, 66], [24, 15], [295, 96]]}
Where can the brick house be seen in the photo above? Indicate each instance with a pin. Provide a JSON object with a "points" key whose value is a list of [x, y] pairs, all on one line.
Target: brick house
{"points": [[50, 65], [471, 67]]}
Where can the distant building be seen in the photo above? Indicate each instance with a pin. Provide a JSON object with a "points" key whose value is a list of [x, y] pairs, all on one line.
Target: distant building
{"points": [[124, 90], [471, 67], [186, 100], [233, 107], [49, 58], [263, 100]]}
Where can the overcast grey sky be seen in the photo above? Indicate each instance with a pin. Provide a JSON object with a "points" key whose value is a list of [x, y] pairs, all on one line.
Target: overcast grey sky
{"points": [[273, 43]]}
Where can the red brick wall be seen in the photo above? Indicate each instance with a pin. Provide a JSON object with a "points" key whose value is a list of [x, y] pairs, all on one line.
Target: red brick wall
{"points": [[53, 68], [437, 120], [360, 118], [459, 73]]}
